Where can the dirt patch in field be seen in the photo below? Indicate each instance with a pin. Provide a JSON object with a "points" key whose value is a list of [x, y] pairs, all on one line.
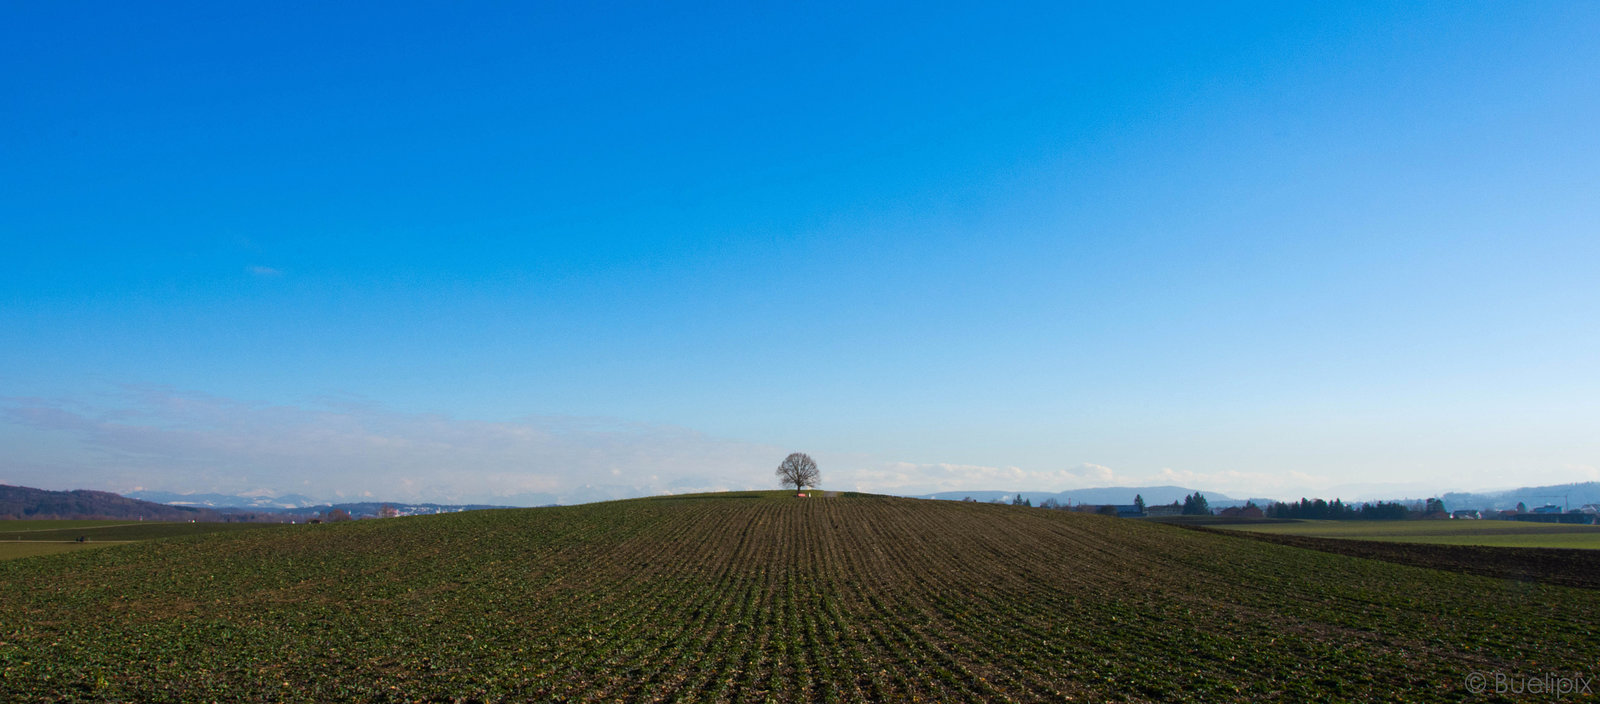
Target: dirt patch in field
{"points": [[1567, 567]]}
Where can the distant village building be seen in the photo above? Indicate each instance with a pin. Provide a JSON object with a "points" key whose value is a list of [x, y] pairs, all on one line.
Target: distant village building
{"points": [[1163, 510], [1248, 511], [1466, 513], [1575, 517]]}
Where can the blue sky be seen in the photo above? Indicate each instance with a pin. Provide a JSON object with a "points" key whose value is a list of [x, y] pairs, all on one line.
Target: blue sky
{"points": [[469, 251]]}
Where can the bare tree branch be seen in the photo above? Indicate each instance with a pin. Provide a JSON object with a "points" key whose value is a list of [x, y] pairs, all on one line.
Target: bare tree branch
{"points": [[799, 470]]}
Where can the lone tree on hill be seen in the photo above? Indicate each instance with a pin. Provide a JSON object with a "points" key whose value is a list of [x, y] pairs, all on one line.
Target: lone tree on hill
{"points": [[800, 470]]}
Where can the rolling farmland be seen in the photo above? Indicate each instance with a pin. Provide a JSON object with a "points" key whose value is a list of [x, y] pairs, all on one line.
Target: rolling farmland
{"points": [[737, 597]]}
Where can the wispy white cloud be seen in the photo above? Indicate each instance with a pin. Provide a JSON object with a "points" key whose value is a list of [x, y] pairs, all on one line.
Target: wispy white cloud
{"points": [[162, 439], [1242, 483], [1584, 472], [928, 478], [184, 441], [914, 478], [264, 271]]}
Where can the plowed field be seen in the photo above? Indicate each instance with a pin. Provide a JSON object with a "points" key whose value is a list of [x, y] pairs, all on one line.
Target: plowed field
{"points": [[756, 597]]}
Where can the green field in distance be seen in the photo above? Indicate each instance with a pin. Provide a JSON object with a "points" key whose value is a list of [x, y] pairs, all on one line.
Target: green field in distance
{"points": [[31, 525], [1510, 534], [30, 538]]}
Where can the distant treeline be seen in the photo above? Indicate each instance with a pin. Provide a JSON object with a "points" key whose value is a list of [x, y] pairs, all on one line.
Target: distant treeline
{"points": [[1318, 509], [1193, 505]]}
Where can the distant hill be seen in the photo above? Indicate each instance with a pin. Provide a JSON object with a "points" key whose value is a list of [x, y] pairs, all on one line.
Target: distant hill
{"points": [[29, 503], [1564, 495], [20, 502], [1153, 495]]}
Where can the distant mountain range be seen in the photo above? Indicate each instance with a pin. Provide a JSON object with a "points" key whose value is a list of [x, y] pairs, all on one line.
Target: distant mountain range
{"points": [[372, 509], [1153, 495], [225, 500], [1567, 496], [298, 505], [28, 503], [21, 502]]}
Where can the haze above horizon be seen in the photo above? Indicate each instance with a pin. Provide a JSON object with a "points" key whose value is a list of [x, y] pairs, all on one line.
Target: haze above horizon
{"points": [[475, 253]]}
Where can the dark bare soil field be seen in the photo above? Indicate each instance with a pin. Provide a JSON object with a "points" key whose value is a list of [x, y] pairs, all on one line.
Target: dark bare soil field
{"points": [[1570, 567], [765, 597]]}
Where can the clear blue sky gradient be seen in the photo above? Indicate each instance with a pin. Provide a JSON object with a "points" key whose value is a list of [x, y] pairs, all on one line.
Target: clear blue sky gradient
{"points": [[1359, 241]]}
